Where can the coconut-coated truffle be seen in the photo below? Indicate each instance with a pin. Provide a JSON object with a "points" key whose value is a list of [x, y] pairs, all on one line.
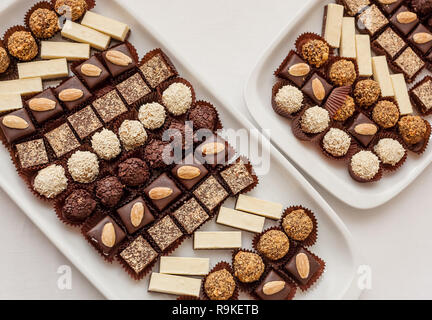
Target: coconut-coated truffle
{"points": [[273, 244], [78, 205], [132, 134], [83, 166], [365, 165], [109, 191], [4, 60], [219, 285], [248, 266], [390, 151], [133, 172], [50, 181], [367, 92], [76, 8], [44, 23], [177, 98], [412, 129], [152, 115], [106, 144], [289, 99], [22, 45], [315, 120], [336, 142], [297, 225]]}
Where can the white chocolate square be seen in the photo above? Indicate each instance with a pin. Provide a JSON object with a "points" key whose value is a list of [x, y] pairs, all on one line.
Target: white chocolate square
{"points": [[240, 220], [333, 25], [46, 69], [80, 33], [64, 49], [116, 29], [401, 93], [10, 101], [348, 44], [178, 285], [382, 75], [21, 86], [217, 240], [184, 266], [364, 55]]}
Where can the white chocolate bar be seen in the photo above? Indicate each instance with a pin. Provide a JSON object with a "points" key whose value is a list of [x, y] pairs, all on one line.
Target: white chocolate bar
{"points": [[217, 240], [116, 29], [240, 220], [63, 49], [80, 33], [364, 55], [178, 285], [401, 93], [333, 25], [271, 210], [348, 46], [184, 266], [21, 86], [382, 75], [46, 69], [10, 101]]}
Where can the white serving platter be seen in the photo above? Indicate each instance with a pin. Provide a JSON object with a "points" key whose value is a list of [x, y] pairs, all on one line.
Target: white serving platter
{"points": [[282, 183], [331, 175]]}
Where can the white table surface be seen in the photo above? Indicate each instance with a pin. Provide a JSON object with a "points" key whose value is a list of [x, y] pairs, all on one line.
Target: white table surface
{"points": [[223, 39]]}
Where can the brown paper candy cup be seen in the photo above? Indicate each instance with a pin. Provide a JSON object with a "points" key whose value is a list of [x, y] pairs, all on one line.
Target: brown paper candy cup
{"points": [[420, 147], [248, 286], [218, 267], [38, 5], [304, 38], [257, 238], [394, 136], [376, 178], [288, 280], [16, 28], [312, 237], [300, 134], [281, 111], [149, 55], [337, 99], [188, 298], [217, 123]]}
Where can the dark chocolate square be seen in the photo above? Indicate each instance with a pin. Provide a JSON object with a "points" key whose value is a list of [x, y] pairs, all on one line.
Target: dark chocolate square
{"points": [[207, 152], [307, 88], [292, 59], [156, 68], [281, 295], [291, 267], [84, 122], [363, 139], [237, 177], [95, 235], [390, 42], [115, 69], [423, 47], [353, 7], [93, 82], [42, 116], [73, 83], [189, 161], [109, 106], [210, 193], [372, 20], [404, 28], [32, 153], [165, 232], [62, 140], [125, 215], [138, 254], [12, 134], [409, 62], [389, 8], [190, 215], [165, 182], [133, 88]]}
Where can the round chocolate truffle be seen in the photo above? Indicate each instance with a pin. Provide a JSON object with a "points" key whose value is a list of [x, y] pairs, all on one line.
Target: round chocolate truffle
{"points": [[336, 142], [365, 165], [22, 45], [219, 285], [316, 52], [343, 73], [109, 191], [422, 7], [152, 115], [289, 99], [273, 244], [412, 129], [106, 144], [367, 92], [177, 98], [315, 120], [181, 134], [44, 23], [132, 134], [73, 9], [50, 181], [133, 172], [385, 114], [78, 206], [346, 111], [297, 225], [248, 266], [83, 166], [4, 60], [203, 117], [156, 154], [390, 151]]}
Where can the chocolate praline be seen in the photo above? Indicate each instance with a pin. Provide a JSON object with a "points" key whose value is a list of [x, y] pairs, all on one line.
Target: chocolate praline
{"points": [[42, 116], [219, 285], [73, 83], [133, 172], [203, 117], [74, 8], [92, 81], [116, 69], [292, 267], [346, 111], [283, 294], [364, 139], [385, 114], [422, 7], [248, 266], [102, 243], [126, 215], [164, 182], [273, 244], [189, 162], [155, 154], [343, 73], [403, 28], [109, 191], [78, 205], [22, 45], [181, 135], [284, 72], [367, 92], [315, 52], [44, 23], [12, 134], [298, 225], [4, 60], [412, 129]]}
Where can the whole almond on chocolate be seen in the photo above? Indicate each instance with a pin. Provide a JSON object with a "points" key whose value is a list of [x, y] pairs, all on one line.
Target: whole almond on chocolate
{"points": [[366, 129], [422, 37], [318, 89], [188, 172], [90, 70], [137, 214], [212, 148], [108, 236], [159, 193], [406, 17], [118, 58], [41, 104], [15, 122], [387, 2], [71, 94], [273, 287], [299, 69], [302, 265]]}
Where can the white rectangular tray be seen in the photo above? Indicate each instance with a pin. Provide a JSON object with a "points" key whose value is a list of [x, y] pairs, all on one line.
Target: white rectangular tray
{"points": [[283, 183], [331, 175]]}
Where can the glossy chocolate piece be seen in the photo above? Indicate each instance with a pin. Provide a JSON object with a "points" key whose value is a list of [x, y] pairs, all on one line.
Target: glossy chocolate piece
{"points": [[95, 235], [73, 83], [163, 181], [425, 47], [190, 161], [216, 158], [389, 8], [42, 116], [292, 59], [115, 69], [125, 215], [363, 139], [291, 267], [281, 295], [93, 82], [11, 134], [307, 88], [404, 28]]}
